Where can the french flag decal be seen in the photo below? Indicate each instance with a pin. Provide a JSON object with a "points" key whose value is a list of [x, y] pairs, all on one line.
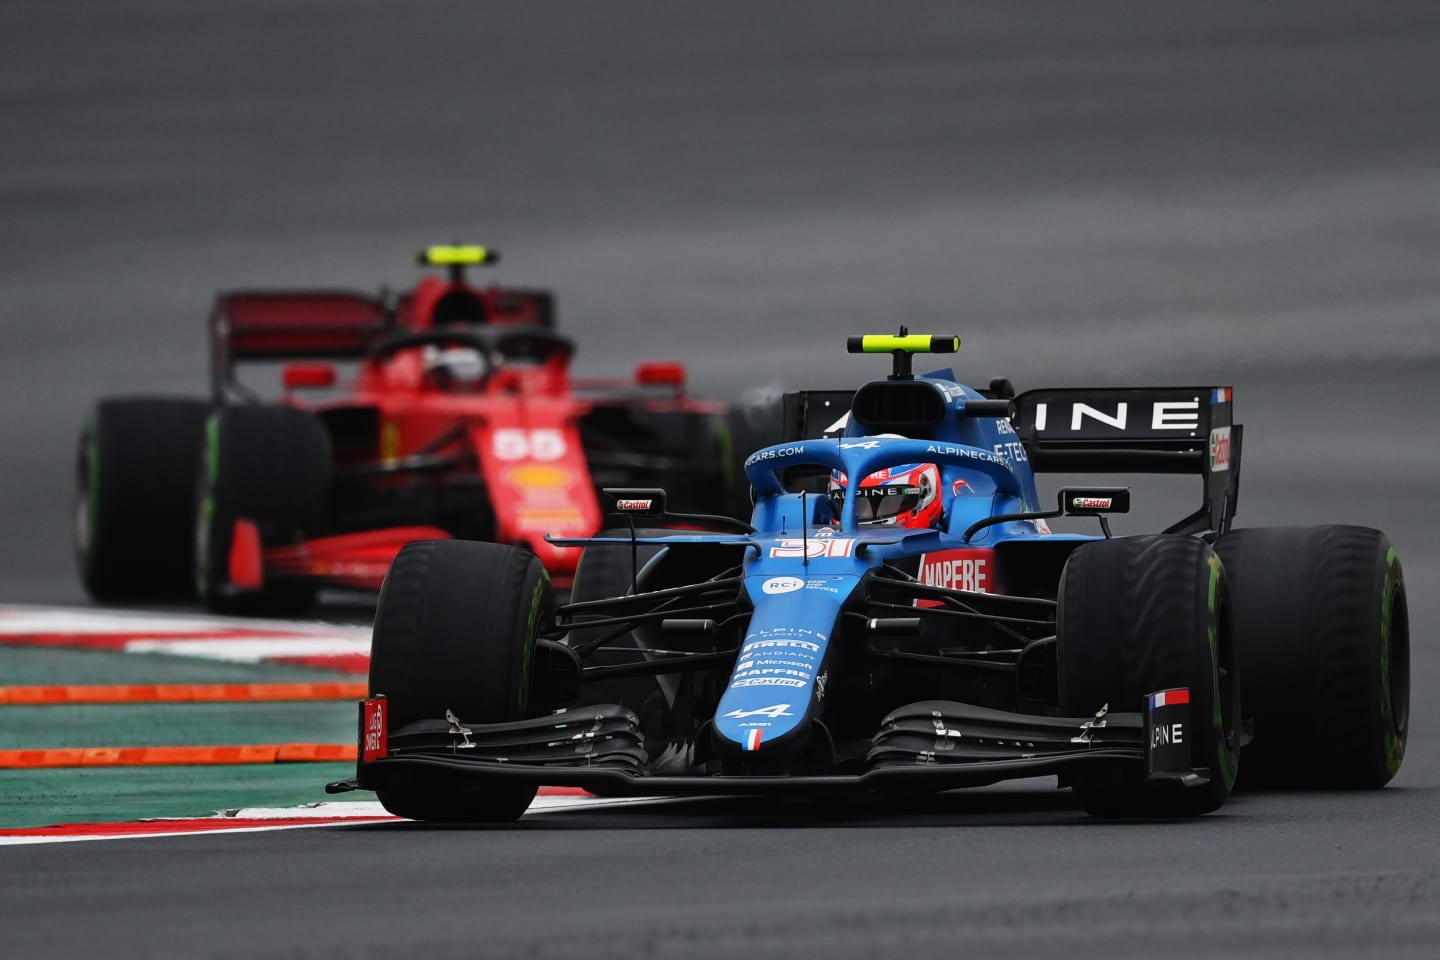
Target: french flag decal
{"points": [[1168, 698], [752, 739], [1220, 395]]}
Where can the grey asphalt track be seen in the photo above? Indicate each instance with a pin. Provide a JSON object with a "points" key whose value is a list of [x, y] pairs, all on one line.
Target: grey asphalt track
{"points": [[1086, 193]]}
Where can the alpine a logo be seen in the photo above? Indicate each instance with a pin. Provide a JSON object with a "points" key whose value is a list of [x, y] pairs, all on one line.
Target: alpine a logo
{"points": [[773, 713], [633, 504]]}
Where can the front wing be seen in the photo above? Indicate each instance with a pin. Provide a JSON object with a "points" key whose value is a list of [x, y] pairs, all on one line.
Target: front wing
{"points": [[924, 747]]}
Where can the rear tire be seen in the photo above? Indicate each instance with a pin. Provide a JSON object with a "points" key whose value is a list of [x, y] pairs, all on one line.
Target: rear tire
{"points": [[1322, 623], [134, 502], [1143, 614], [456, 629], [268, 465]]}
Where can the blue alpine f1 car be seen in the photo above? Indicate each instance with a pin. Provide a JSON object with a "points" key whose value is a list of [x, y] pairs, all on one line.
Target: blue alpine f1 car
{"points": [[897, 616]]}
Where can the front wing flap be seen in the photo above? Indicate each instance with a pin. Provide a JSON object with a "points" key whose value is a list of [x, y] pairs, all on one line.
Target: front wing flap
{"points": [[923, 747]]}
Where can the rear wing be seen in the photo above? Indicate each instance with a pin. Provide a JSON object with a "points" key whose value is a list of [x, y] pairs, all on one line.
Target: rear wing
{"points": [[249, 325], [1158, 430], [291, 325], [1187, 430]]}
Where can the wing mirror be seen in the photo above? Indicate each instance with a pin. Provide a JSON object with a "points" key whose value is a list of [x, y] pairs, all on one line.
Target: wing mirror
{"points": [[1093, 501]]}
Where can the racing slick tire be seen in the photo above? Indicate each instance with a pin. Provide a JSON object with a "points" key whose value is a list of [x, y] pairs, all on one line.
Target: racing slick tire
{"points": [[1142, 614], [456, 629], [135, 484], [269, 465], [1322, 623]]}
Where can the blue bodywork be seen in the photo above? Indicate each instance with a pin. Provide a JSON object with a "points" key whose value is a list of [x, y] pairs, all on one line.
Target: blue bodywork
{"points": [[781, 661], [806, 563]]}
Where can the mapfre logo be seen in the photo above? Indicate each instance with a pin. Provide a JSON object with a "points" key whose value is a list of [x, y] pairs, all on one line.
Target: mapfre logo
{"points": [[1219, 449], [956, 570]]}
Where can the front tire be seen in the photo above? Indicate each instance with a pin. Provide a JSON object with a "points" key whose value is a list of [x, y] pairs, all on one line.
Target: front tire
{"points": [[456, 629], [1322, 621], [1138, 615]]}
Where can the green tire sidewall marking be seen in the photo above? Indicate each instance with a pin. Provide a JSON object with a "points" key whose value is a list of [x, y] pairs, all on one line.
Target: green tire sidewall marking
{"points": [[1394, 744], [205, 518], [527, 655], [1227, 766]]}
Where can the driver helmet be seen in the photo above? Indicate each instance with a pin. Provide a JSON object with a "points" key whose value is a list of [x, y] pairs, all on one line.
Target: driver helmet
{"points": [[905, 496], [455, 366]]}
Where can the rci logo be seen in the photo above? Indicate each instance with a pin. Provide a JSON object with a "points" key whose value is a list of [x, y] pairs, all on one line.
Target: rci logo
{"points": [[782, 585]]}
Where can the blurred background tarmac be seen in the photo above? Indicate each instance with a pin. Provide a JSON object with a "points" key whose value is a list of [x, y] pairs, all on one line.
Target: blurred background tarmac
{"points": [[1086, 193]]}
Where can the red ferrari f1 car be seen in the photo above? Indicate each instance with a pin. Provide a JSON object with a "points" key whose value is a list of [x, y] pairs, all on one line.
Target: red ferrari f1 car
{"points": [[445, 411]]}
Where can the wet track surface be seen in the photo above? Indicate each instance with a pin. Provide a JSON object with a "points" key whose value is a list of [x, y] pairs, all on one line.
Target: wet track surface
{"points": [[1086, 195]]}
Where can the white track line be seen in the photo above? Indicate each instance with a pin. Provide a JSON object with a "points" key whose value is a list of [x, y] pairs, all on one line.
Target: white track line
{"points": [[330, 814]]}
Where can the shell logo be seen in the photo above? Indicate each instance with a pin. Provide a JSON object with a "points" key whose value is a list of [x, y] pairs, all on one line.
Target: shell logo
{"points": [[538, 476]]}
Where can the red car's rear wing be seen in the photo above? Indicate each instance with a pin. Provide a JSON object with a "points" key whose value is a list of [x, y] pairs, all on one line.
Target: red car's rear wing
{"points": [[341, 325], [297, 324]]}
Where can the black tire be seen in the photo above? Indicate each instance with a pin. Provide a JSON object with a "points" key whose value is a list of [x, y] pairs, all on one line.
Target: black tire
{"points": [[269, 465], [455, 630], [1142, 614], [1322, 623], [134, 502]]}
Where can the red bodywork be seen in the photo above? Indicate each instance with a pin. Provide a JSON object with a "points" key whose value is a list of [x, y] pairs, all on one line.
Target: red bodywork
{"points": [[515, 430]]}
